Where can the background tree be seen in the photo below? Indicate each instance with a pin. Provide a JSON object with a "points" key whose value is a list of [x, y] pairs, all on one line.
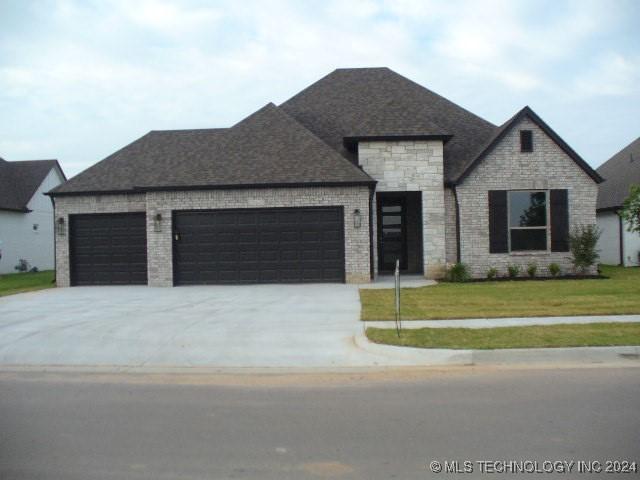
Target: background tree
{"points": [[631, 209]]}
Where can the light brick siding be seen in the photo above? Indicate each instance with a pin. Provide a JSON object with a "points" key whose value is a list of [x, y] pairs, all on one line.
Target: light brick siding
{"points": [[414, 166], [506, 168], [450, 226], [159, 243]]}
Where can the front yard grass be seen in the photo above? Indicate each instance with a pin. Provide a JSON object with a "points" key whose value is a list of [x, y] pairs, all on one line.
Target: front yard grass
{"points": [[25, 282], [538, 336], [617, 295]]}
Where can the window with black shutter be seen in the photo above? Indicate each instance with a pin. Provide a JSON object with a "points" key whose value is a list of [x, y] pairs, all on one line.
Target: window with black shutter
{"points": [[559, 220], [498, 226], [528, 220], [526, 141]]}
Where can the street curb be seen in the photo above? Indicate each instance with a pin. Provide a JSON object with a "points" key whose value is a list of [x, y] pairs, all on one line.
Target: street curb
{"points": [[627, 355]]}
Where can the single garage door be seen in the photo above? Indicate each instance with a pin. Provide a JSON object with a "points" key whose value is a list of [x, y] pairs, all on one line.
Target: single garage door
{"points": [[108, 249], [279, 245]]}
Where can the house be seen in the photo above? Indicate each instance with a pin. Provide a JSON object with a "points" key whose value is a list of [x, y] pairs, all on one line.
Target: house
{"points": [[359, 169], [617, 245], [26, 214]]}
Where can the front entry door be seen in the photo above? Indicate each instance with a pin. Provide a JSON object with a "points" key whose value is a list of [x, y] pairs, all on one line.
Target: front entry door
{"points": [[392, 232]]}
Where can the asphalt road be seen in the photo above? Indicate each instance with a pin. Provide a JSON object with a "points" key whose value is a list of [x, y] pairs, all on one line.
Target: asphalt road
{"points": [[354, 426]]}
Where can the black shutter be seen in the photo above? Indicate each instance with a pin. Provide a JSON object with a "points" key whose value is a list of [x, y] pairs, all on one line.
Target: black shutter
{"points": [[559, 221], [498, 227]]}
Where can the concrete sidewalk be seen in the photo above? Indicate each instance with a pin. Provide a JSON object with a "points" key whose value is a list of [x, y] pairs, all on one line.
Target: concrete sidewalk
{"points": [[504, 322]]}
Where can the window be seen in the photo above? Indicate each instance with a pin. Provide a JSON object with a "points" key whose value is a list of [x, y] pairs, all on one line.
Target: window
{"points": [[528, 220], [526, 141]]}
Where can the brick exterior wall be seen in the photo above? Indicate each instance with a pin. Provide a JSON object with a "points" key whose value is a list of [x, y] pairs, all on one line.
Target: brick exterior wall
{"points": [[400, 166], [451, 246], [506, 168], [159, 243]]}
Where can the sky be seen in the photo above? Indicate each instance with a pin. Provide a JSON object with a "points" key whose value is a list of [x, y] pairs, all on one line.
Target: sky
{"points": [[82, 79]]}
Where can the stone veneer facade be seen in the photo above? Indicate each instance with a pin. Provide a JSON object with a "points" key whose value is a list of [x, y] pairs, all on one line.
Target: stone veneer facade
{"points": [[506, 168], [159, 244], [412, 166]]}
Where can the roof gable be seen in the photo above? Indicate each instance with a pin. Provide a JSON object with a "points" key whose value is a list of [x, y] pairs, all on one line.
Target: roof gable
{"points": [[378, 102], [505, 128], [265, 149], [619, 173], [19, 181]]}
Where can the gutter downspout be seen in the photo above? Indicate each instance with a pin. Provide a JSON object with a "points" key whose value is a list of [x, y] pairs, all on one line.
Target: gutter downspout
{"points": [[371, 263], [457, 204], [621, 235], [55, 241]]}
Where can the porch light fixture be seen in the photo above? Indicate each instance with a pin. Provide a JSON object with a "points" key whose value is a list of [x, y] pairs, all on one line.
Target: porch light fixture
{"points": [[60, 226], [157, 222], [357, 218]]}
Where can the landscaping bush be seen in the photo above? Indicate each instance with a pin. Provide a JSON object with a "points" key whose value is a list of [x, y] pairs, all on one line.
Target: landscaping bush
{"points": [[458, 272], [554, 269], [513, 270], [582, 243], [532, 268], [492, 273]]}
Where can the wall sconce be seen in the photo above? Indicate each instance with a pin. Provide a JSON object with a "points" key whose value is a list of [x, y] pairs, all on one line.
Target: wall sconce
{"points": [[157, 222], [357, 218], [60, 228]]}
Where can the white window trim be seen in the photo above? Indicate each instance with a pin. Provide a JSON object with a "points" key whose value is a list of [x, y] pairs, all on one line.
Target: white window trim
{"points": [[547, 227]]}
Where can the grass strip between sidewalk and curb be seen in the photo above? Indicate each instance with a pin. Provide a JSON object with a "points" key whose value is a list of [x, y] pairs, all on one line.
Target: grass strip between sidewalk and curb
{"points": [[534, 336], [25, 282], [617, 295]]}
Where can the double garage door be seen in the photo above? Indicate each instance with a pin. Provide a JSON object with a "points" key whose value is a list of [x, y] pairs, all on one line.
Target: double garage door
{"points": [[280, 245]]}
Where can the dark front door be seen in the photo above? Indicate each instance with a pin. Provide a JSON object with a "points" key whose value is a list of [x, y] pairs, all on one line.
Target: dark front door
{"points": [[276, 245], [392, 232], [108, 249]]}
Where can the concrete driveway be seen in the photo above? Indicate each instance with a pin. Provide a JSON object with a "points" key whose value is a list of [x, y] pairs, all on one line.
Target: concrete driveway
{"points": [[240, 326]]}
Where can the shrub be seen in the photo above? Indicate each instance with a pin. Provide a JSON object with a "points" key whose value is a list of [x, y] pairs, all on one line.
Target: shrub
{"points": [[582, 243], [23, 265], [492, 273], [458, 272], [554, 269], [532, 268], [514, 270], [631, 210]]}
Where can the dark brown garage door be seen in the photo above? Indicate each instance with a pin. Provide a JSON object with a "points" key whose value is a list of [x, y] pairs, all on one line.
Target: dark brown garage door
{"points": [[280, 245], [108, 249]]}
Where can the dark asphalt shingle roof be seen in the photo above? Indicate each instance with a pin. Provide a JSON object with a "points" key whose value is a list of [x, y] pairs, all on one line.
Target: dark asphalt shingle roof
{"points": [[20, 180], [267, 148], [619, 173], [366, 101], [305, 140]]}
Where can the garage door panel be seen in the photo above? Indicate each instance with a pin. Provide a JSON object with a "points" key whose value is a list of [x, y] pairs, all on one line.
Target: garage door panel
{"points": [[259, 246], [108, 249]]}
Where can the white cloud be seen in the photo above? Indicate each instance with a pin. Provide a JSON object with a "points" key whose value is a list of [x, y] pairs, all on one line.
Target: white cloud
{"points": [[612, 75], [88, 74]]}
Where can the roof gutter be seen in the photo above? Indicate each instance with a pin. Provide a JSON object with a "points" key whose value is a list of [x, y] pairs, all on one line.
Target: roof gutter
{"points": [[140, 189], [350, 142]]}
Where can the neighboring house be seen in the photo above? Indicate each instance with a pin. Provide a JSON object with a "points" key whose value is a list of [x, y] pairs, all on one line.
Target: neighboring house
{"points": [[360, 169], [617, 245], [26, 214]]}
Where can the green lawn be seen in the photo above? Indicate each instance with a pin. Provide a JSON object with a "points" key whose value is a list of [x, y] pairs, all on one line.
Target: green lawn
{"points": [[576, 335], [25, 282], [619, 294]]}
